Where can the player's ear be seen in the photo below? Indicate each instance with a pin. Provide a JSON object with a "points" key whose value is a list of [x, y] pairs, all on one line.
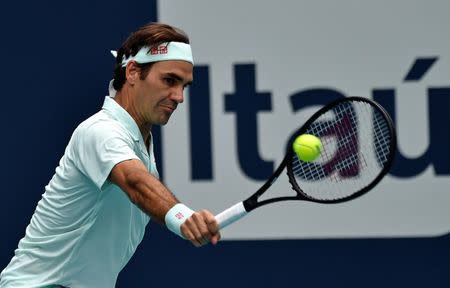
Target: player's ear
{"points": [[132, 72]]}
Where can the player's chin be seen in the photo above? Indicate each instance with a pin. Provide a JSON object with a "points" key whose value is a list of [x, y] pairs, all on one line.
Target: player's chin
{"points": [[164, 119]]}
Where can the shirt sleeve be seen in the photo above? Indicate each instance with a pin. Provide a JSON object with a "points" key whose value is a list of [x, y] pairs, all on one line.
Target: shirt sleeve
{"points": [[98, 148]]}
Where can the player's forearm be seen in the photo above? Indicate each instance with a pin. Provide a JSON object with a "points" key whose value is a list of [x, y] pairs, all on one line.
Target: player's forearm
{"points": [[149, 194], [155, 199]]}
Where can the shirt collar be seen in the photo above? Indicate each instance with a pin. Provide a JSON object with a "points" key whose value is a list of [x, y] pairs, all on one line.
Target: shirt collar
{"points": [[117, 112]]}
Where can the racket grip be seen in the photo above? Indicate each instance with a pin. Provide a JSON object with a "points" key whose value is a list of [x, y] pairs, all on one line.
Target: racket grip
{"points": [[231, 215]]}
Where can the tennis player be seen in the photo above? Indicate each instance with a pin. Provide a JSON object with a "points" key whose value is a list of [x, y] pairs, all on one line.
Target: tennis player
{"points": [[94, 211]]}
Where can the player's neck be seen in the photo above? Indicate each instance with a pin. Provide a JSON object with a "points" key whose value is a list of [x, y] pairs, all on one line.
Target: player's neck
{"points": [[123, 99], [145, 132]]}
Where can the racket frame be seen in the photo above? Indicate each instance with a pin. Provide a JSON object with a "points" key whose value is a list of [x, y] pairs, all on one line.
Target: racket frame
{"points": [[252, 202]]}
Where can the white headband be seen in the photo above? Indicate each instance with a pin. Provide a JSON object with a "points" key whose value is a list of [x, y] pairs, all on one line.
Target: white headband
{"points": [[163, 52]]}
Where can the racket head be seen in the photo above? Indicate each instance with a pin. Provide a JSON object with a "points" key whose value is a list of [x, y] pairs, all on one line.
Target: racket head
{"points": [[358, 147]]}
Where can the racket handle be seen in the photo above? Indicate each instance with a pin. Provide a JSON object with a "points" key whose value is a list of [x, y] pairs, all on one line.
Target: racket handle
{"points": [[231, 215]]}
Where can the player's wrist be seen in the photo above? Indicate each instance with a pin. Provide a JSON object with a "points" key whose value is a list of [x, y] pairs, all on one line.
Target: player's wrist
{"points": [[176, 216]]}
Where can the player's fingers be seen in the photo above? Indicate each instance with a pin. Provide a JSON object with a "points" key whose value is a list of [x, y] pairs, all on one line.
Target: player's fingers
{"points": [[210, 221], [202, 227], [189, 234], [213, 226], [198, 228], [215, 238]]}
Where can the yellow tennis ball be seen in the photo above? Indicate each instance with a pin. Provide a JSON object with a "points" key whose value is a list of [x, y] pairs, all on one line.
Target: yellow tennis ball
{"points": [[307, 147]]}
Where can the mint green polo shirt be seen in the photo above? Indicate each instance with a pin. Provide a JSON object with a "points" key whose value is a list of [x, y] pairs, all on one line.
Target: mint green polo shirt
{"points": [[85, 229]]}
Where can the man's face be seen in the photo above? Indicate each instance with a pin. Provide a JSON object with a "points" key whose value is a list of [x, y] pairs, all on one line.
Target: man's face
{"points": [[162, 90]]}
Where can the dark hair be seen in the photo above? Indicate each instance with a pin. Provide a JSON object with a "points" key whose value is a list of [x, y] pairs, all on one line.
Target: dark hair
{"points": [[150, 35]]}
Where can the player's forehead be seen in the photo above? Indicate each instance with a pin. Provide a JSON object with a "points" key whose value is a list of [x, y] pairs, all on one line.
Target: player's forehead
{"points": [[182, 69]]}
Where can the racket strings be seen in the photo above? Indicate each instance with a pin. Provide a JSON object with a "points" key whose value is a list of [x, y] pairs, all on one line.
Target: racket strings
{"points": [[355, 148], [381, 138]]}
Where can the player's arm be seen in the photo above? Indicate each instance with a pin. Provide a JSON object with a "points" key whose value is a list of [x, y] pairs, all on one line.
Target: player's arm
{"points": [[150, 195]]}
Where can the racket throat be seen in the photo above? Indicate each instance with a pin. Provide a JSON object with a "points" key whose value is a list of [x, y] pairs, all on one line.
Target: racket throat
{"points": [[251, 203]]}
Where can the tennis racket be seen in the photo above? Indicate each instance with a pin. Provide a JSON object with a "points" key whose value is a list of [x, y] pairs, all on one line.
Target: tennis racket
{"points": [[358, 147]]}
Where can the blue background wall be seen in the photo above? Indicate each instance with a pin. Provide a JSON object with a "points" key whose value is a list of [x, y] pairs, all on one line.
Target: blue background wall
{"points": [[56, 67]]}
